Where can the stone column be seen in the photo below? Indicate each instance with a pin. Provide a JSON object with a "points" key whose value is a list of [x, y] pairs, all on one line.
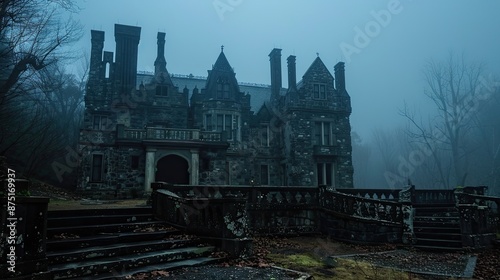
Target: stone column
{"points": [[150, 169], [195, 163]]}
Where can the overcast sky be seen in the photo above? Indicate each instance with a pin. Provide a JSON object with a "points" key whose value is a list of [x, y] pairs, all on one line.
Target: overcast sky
{"points": [[384, 43]]}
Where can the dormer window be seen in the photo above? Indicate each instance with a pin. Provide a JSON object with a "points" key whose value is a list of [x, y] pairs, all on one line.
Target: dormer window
{"points": [[219, 89], [222, 89], [225, 91], [319, 91], [161, 90]]}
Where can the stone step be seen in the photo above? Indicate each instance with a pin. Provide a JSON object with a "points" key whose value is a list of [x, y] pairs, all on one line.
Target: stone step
{"points": [[437, 248], [106, 239], [99, 212], [98, 220], [436, 224], [439, 235], [87, 230], [162, 266], [119, 264], [114, 250], [439, 242], [436, 229]]}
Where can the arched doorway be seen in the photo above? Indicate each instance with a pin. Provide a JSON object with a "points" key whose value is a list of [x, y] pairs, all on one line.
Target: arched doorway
{"points": [[172, 169]]}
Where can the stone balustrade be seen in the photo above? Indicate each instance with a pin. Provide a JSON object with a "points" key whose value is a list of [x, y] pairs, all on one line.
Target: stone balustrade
{"points": [[178, 134], [360, 215]]}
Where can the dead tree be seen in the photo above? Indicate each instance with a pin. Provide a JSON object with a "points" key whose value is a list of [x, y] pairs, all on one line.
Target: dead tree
{"points": [[453, 87]]}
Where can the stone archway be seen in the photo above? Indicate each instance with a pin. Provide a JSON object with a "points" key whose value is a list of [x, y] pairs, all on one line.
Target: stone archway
{"points": [[172, 169]]}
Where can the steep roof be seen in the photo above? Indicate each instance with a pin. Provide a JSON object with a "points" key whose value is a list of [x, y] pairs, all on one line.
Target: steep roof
{"points": [[222, 64], [315, 66]]}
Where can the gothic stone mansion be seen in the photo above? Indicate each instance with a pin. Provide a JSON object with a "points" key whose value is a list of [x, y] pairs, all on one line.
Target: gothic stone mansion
{"points": [[145, 127]]}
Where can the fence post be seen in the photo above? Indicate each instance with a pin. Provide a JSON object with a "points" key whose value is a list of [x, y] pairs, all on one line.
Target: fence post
{"points": [[406, 199]]}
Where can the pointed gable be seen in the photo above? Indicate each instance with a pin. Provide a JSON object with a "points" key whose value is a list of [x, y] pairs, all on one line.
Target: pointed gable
{"points": [[221, 80], [222, 64], [318, 72]]}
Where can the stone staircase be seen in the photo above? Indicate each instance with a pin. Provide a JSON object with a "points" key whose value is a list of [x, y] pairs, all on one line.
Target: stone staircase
{"points": [[437, 227], [114, 243]]}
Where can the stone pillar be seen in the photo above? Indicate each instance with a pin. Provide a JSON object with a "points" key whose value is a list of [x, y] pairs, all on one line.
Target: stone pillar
{"points": [[195, 163], [150, 169]]}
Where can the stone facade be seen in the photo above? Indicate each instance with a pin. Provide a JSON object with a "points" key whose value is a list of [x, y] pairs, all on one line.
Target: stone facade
{"points": [[140, 128]]}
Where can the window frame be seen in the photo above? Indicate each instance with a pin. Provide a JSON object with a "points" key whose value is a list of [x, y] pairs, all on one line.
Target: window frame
{"points": [[97, 167], [319, 91]]}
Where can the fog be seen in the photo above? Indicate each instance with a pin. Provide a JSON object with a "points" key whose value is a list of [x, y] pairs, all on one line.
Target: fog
{"points": [[385, 43]]}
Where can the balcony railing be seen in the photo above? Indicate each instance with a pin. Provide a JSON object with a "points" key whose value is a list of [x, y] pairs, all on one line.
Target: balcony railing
{"points": [[156, 133], [320, 150]]}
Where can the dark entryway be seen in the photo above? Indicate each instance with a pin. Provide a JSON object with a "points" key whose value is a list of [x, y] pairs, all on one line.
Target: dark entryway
{"points": [[172, 169]]}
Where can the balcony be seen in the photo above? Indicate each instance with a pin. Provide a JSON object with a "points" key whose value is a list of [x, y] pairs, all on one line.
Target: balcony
{"points": [[176, 134], [320, 150]]}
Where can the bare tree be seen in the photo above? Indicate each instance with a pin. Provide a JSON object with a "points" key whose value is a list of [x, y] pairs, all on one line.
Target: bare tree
{"points": [[32, 36], [452, 86]]}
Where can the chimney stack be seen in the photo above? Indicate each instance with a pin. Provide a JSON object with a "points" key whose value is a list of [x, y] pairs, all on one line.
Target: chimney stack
{"points": [[97, 40], [127, 41], [275, 60], [340, 77], [160, 62], [292, 77]]}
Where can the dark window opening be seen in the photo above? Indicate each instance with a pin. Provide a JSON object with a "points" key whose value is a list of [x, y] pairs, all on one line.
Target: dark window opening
{"points": [[161, 90], [98, 122], [264, 174], [226, 91], [323, 133], [134, 162], [264, 135], [96, 168], [208, 122], [319, 91], [219, 90]]}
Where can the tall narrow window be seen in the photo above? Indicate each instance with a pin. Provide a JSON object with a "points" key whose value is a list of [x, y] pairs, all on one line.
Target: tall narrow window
{"points": [[264, 174], [96, 168], [220, 123], [236, 126], [208, 122], [316, 91], [322, 92], [134, 162], [219, 89], [98, 122], [226, 91], [326, 174], [323, 133], [228, 121], [284, 179], [264, 135], [326, 133]]}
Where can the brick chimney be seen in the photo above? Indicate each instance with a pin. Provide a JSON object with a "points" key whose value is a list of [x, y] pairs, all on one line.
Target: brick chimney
{"points": [[160, 62], [292, 76], [127, 41], [340, 77], [275, 60]]}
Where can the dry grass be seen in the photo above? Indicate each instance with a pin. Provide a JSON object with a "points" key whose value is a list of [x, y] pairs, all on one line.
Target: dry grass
{"points": [[339, 269]]}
